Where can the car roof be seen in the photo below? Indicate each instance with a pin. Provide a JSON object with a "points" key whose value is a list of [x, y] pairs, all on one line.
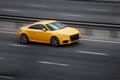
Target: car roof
{"points": [[45, 21]]}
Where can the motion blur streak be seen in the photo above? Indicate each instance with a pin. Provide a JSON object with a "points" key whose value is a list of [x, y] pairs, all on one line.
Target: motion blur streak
{"points": [[21, 63], [101, 41], [6, 77], [93, 53], [59, 64], [1, 58], [17, 45], [8, 32], [70, 10]]}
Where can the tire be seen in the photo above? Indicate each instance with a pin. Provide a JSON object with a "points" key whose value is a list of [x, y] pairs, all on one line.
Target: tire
{"points": [[24, 39], [54, 41]]}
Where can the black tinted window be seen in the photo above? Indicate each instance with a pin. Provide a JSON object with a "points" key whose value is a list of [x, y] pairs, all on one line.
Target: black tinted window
{"points": [[38, 26]]}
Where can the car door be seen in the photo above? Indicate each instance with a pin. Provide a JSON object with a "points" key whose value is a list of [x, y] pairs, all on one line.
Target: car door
{"points": [[38, 34], [32, 32]]}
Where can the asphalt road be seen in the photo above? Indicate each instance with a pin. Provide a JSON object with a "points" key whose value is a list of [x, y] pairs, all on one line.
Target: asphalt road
{"points": [[62, 9], [87, 60]]}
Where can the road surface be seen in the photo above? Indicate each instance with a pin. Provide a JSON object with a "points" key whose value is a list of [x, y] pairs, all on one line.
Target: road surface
{"points": [[87, 60]]}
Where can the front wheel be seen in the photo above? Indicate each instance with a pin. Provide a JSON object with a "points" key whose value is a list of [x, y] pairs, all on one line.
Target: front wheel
{"points": [[24, 38], [54, 41]]}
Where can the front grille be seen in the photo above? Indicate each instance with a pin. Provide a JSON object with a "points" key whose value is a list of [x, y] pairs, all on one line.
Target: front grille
{"points": [[74, 37]]}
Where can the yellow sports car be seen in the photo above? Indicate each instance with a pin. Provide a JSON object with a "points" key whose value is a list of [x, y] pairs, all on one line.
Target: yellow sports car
{"points": [[48, 31]]}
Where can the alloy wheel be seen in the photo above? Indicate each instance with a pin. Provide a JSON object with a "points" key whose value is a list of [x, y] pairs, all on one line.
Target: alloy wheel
{"points": [[24, 39], [54, 41]]}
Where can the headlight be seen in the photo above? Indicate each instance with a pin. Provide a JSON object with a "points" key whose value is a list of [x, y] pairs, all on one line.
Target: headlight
{"points": [[64, 36]]}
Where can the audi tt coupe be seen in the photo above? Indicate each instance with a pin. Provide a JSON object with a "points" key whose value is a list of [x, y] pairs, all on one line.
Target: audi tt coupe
{"points": [[48, 31]]}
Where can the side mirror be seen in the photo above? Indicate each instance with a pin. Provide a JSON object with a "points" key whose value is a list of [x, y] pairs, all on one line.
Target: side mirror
{"points": [[44, 30]]}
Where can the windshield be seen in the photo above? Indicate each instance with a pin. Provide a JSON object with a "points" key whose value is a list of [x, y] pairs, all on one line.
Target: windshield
{"points": [[55, 26]]}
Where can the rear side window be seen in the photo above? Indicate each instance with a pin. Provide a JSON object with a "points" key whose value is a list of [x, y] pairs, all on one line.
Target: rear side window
{"points": [[38, 26]]}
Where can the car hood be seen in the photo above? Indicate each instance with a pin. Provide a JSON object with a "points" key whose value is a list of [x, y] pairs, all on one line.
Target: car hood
{"points": [[67, 31]]}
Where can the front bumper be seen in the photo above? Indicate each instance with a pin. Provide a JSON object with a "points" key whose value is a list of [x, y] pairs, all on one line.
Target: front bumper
{"points": [[68, 40]]}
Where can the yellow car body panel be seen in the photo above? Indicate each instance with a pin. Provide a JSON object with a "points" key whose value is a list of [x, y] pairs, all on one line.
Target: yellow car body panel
{"points": [[45, 36]]}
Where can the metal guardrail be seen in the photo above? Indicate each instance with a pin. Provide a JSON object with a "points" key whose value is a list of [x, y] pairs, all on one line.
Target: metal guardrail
{"points": [[77, 23], [83, 23]]}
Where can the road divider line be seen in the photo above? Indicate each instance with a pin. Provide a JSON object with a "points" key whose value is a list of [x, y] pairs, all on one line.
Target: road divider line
{"points": [[8, 32], [1, 58], [52, 63], [71, 15], [98, 10], [11, 10], [101, 41], [18, 45], [35, 5], [7, 77], [93, 53]]}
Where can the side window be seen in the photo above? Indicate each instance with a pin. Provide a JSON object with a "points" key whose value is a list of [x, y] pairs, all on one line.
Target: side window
{"points": [[50, 27], [38, 26]]}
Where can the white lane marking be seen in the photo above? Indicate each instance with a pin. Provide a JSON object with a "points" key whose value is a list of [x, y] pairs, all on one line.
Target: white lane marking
{"points": [[11, 10], [8, 32], [98, 10], [101, 41], [7, 77], [35, 5], [52, 63], [18, 45], [71, 15], [93, 53], [1, 58]]}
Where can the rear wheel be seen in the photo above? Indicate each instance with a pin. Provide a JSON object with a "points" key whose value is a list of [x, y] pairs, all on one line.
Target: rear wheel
{"points": [[24, 38], [54, 41]]}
